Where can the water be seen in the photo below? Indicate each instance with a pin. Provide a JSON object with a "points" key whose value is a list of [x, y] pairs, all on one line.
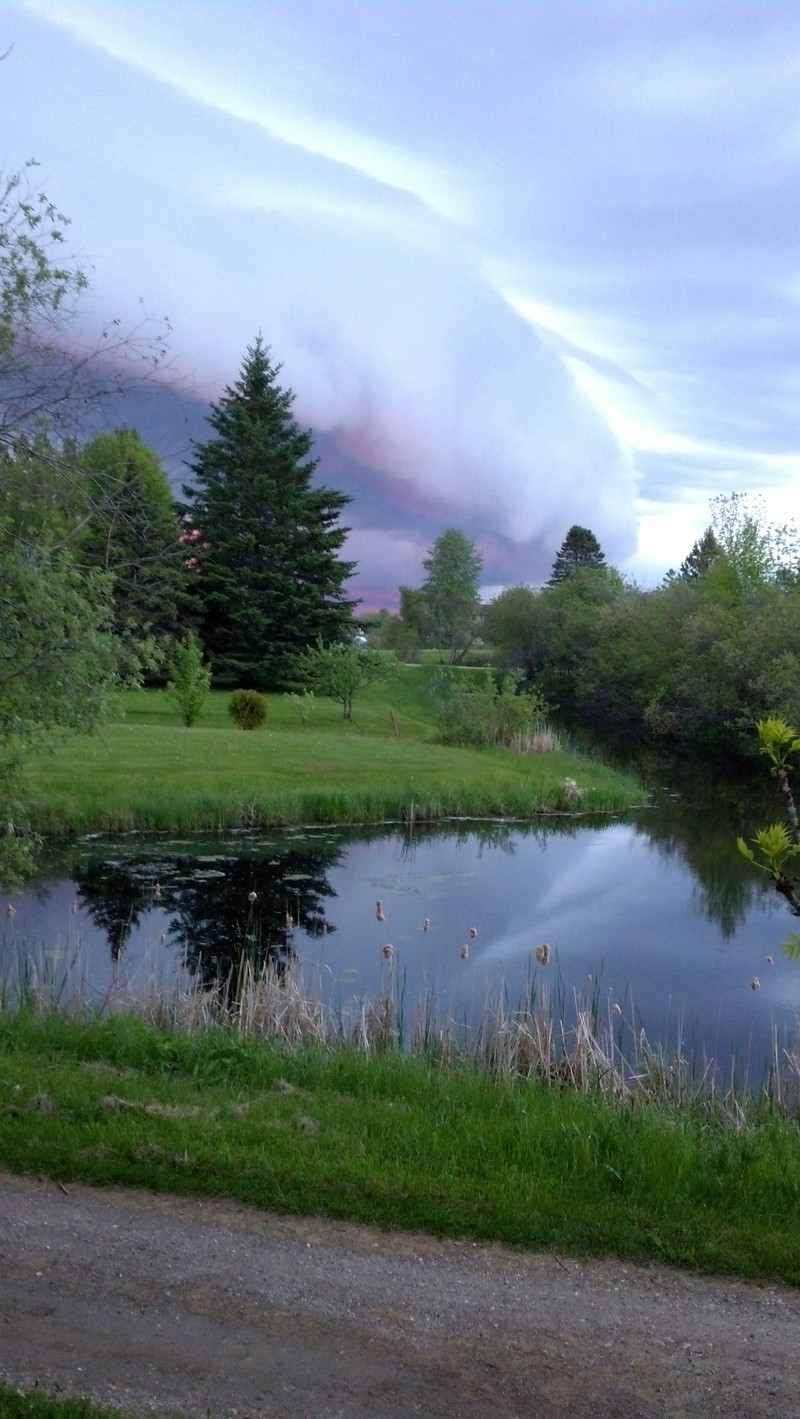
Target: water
{"points": [[655, 912]]}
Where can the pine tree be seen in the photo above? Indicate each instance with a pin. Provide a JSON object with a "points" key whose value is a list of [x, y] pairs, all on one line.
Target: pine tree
{"points": [[703, 555], [579, 550], [265, 544]]}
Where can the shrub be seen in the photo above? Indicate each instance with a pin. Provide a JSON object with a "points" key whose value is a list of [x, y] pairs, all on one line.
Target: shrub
{"points": [[190, 679], [471, 709], [248, 709]]}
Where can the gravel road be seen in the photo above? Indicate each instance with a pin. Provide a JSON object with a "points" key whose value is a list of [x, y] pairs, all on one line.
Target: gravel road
{"points": [[161, 1305]]}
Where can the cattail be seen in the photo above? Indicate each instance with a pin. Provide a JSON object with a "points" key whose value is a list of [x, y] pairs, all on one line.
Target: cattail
{"points": [[473, 931], [379, 912], [388, 951], [543, 954], [252, 897], [755, 983], [465, 952]]}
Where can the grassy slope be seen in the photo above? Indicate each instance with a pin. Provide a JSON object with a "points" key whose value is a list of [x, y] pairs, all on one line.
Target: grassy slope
{"points": [[399, 1142], [148, 771]]}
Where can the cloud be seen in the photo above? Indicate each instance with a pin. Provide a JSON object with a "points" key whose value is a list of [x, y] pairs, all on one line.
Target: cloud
{"points": [[526, 267]]}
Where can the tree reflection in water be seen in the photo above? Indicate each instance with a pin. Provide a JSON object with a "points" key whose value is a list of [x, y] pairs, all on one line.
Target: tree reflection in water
{"points": [[236, 904]]}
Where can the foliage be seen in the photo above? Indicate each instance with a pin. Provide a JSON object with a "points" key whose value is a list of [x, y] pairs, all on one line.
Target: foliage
{"points": [[132, 530], [777, 845], [579, 551], [247, 709], [702, 557], [472, 709], [508, 625], [269, 580], [190, 678], [340, 671], [753, 549], [692, 664], [59, 656], [302, 704], [44, 382], [445, 611]]}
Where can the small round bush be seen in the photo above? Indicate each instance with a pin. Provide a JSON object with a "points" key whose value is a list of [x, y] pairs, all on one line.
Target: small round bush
{"points": [[248, 709]]}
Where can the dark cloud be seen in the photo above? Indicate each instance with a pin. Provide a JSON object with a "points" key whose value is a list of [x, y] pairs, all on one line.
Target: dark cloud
{"points": [[386, 190]]}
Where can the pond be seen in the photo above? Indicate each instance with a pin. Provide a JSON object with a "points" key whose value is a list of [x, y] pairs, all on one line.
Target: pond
{"points": [[653, 912]]}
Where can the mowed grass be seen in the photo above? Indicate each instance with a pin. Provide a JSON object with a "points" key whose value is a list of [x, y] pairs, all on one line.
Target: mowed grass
{"points": [[399, 1141], [145, 770]]}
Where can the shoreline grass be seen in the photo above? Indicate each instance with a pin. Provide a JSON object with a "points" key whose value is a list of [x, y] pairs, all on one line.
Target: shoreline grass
{"points": [[523, 1140], [35, 1404], [147, 772]]}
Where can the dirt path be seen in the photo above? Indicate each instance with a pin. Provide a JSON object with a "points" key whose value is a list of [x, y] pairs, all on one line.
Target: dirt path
{"points": [[159, 1305]]}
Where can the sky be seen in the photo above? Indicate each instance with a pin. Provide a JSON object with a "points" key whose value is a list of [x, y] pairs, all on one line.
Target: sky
{"points": [[525, 263]]}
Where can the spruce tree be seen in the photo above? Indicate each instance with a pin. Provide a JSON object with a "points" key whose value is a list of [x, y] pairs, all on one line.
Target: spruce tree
{"points": [[703, 555], [265, 543], [580, 549]]}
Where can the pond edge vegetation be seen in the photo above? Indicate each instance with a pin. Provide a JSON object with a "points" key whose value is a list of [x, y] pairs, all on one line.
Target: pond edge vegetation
{"points": [[525, 1136]]}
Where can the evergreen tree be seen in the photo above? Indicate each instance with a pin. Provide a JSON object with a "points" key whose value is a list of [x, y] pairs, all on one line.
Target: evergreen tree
{"points": [[703, 555], [269, 579], [579, 550]]}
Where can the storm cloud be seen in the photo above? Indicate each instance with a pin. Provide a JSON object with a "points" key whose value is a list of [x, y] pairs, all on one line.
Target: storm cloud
{"points": [[525, 265]]}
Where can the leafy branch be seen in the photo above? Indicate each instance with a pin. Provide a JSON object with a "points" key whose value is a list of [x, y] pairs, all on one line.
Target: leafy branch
{"points": [[777, 845]]}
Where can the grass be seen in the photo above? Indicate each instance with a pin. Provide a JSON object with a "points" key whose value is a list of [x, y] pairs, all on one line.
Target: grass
{"points": [[419, 1140], [146, 771], [32, 1404]]}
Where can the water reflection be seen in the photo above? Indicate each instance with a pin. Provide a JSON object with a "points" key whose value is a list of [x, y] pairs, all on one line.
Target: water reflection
{"points": [[656, 913], [238, 900]]}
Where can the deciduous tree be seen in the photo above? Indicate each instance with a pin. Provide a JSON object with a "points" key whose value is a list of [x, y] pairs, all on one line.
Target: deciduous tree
{"points": [[448, 602]]}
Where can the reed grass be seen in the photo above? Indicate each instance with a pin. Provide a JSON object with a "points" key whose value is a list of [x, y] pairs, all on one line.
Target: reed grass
{"points": [[520, 1129], [148, 772]]}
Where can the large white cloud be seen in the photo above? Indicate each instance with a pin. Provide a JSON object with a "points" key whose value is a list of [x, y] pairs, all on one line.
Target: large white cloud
{"points": [[526, 264]]}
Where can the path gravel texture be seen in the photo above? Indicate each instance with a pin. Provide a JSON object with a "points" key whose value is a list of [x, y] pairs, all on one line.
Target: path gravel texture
{"points": [[161, 1305]]}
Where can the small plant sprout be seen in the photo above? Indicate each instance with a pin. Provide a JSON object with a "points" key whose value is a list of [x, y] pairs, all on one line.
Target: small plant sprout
{"points": [[465, 952], [543, 954], [380, 914], [388, 951], [774, 849]]}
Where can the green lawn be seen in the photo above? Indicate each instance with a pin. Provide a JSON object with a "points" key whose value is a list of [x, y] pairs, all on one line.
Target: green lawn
{"points": [[146, 771], [400, 1141]]}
